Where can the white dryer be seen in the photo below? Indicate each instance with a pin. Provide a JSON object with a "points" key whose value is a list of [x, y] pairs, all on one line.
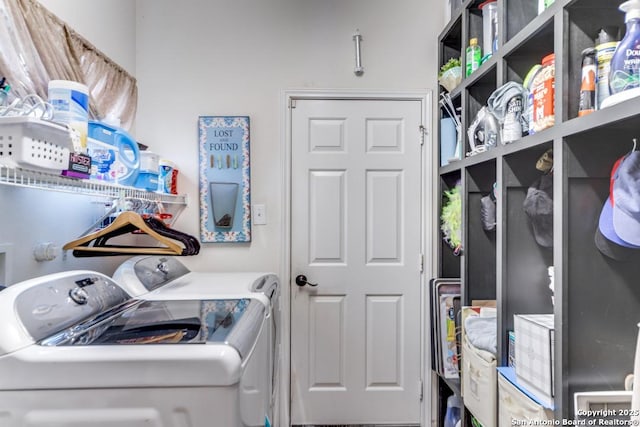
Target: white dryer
{"points": [[154, 277], [77, 351]]}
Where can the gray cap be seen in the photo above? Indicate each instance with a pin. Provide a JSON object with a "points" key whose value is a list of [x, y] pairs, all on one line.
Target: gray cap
{"points": [[538, 205]]}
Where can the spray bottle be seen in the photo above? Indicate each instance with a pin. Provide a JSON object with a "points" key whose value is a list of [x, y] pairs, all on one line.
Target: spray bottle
{"points": [[625, 64], [588, 86], [606, 44]]}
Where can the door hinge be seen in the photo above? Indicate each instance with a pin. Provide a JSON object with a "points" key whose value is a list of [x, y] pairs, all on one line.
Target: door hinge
{"points": [[292, 103], [421, 392], [421, 262], [423, 132]]}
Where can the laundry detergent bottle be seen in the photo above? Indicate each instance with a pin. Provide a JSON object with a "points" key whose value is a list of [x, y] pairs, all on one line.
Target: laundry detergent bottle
{"points": [[625, 64]]}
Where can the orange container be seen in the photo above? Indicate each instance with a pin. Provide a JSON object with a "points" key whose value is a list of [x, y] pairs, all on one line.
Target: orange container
{"points": [[543, 88]]}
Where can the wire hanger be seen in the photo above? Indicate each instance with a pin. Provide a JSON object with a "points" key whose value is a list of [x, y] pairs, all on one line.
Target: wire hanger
{"points": [[125, 222]]}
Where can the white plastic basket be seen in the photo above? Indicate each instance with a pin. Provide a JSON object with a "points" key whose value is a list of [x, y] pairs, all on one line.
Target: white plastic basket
{"points": [[31, 143]]}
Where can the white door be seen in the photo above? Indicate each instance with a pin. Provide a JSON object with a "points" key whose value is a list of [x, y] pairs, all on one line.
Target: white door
{"points": [[356, 227]]}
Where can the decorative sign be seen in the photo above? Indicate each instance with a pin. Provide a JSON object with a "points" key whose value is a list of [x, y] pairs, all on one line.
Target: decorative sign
{"points": [[225, 202]]}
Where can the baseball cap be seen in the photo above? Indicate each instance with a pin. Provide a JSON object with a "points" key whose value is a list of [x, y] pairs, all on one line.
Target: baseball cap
{"points": [[606, 238], [538, 205], [626, 199]]}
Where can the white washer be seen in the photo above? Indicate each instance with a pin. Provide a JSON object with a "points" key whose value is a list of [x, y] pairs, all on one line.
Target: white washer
{"points": [[161, 277], [77, 351]]}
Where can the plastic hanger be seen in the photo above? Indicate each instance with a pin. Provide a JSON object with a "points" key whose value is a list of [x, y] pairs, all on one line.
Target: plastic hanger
{"points": [[191, 244], [125, 222]]}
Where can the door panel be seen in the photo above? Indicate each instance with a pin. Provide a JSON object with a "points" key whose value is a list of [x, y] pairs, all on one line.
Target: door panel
{"points": [[355, 338]]}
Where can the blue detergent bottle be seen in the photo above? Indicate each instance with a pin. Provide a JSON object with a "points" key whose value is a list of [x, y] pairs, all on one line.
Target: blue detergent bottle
{"points": [[121, 148], [454, 411], [625, 64]]}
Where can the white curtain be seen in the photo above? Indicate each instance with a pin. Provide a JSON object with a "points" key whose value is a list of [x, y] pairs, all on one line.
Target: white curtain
{"points": [[36, 46]]}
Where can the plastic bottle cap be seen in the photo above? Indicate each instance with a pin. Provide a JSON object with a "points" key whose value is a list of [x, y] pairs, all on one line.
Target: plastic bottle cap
{"points": [[632, 9], [530, 75], [488, 2], [608, 35], [473, 42], [549, 58]]}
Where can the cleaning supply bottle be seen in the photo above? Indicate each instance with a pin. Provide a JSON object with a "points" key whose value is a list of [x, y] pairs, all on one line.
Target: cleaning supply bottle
{"points": [[454, 409], [606, 44], [474, 56], [543, 88], [528, 85], [588, 85], [625, 64], [114, 152]]}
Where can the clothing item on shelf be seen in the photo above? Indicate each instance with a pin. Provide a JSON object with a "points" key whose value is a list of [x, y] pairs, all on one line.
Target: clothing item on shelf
{"points": [[538, 205], [607, 239], [481, 332], [626, 199]]}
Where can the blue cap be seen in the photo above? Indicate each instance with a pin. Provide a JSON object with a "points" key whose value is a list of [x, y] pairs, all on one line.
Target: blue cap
{"points": [[626, 199]]}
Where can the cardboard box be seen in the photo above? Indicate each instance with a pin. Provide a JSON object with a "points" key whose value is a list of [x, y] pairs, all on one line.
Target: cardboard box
{"points": [[534, 354]]}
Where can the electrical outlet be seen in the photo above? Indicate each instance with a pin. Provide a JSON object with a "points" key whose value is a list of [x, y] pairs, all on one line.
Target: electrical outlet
{"points": [[5, 263], [259, 214]]}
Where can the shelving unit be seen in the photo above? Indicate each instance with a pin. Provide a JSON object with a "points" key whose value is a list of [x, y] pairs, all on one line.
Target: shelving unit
{"points": [[597, 299], [46, 181]]}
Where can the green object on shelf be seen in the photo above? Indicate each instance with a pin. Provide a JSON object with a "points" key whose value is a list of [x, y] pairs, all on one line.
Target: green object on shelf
{"points": [[451, 63], [474, 422], [451, 218], [474, 56]]}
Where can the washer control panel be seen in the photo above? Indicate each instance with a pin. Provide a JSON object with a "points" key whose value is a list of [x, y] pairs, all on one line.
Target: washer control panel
{"points": [[53, 303]]}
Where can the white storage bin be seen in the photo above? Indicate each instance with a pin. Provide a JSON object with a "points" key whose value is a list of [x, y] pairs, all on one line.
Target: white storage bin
{"points": [[479, 378], [30, 143], [514, 405]]}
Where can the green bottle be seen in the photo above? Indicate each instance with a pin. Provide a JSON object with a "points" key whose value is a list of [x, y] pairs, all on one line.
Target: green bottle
{"points": [[474, 55]]}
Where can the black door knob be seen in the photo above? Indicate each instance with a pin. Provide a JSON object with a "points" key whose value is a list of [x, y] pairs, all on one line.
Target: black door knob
{"points": [[301, 280]]}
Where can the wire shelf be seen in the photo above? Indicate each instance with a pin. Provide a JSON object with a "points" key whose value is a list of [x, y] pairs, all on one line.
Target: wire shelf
{"points": [[46, 181]]}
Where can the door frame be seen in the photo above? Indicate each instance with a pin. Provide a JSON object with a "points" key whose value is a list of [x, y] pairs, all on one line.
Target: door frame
{"points": [[428, 184]]}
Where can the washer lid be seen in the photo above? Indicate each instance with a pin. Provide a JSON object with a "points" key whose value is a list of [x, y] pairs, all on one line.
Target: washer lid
{"points": [[234, 322], [40, 307]]}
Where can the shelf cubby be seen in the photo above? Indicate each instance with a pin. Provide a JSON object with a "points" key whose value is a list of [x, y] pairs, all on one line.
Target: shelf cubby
{"points": [[450, 265], [524, 262], [480, 244], [518, 14], [582, 33], [520, 59], [600, 294]]}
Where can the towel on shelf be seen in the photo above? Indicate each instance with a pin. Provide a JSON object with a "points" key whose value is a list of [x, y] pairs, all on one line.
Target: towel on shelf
{"points": [[481, 332]]}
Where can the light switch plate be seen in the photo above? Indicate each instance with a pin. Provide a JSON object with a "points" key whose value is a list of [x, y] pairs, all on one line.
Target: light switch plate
{"points": [[259, 214]]}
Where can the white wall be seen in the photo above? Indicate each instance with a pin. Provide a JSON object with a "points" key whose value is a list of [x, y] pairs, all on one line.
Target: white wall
{"points": [[110, 25], [236, 58]]}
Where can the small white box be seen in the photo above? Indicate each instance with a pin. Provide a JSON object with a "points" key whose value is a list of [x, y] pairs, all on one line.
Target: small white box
{"points": [[534, 354]]}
